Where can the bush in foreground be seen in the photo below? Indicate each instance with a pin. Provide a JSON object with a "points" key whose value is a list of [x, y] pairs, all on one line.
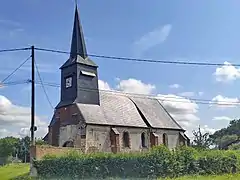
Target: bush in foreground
{"points": [[159, 162]]}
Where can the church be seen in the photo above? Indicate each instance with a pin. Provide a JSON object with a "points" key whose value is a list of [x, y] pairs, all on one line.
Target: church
{"points": [[103, 121]]}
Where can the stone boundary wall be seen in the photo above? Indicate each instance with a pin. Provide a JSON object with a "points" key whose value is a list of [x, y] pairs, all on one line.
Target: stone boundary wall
{"points": [[39, 152]]}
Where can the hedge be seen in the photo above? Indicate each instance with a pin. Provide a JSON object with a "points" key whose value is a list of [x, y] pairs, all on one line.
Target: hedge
{"points": [[159, 162]]}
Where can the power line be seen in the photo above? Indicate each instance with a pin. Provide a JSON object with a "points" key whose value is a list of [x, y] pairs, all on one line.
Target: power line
{"points": [[6, 78], [141, 60], [12, 83], [168, 99], [13, 50], [44, 90], [199, 101]]}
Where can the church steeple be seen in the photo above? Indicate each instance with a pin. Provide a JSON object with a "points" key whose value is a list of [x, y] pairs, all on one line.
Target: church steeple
{"points": [[78, 52], [79, 76], [78, 46]]}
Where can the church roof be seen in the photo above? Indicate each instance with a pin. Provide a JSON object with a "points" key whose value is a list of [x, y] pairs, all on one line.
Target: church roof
{"points": [[154, 112], [125, 110], [78, 52], [113, 110]]}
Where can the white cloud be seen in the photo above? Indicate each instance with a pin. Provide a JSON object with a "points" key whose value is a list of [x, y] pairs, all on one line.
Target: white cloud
{"points": [[13, 118], [153, 38], [188, 94], [181, 109], [135, 86], [227, 73], [5, 132], [224, 102], [103, 85], [175, 86], [207, 129], [222, 118]]}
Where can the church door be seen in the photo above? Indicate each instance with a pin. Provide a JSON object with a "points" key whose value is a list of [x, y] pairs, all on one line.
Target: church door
{"points": [[114, 138], [153, 139]]}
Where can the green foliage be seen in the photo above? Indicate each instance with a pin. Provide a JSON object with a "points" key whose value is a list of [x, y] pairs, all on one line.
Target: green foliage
{"points": [[8, 146], [159, 162], [11, 146], [201, 140], [40, 142], [23, 149], [235, 147], [226, 135], [225, 140]]}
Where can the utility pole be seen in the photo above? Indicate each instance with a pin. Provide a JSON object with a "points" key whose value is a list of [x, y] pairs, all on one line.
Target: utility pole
{"points": [[33, 99], [33, 127]]}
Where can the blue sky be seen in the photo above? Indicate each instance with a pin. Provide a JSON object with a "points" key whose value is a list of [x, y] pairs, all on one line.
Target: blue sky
{"points": [[163, 30]]}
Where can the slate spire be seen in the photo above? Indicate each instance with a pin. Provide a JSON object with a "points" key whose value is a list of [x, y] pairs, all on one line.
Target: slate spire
{"points": [[78, 46]]}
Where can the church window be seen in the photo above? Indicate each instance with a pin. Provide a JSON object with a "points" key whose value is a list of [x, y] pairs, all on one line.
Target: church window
{"points": [[126, 140], [165, 139], [143, 139]]}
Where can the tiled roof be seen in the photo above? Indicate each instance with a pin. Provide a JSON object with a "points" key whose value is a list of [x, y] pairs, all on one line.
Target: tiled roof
{"points": [[155, 113], [114, 109], [122, 110]]}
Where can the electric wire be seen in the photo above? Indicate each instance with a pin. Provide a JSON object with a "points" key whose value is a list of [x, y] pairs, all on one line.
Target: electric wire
{"points": [[160, 97], [141, 60], [12, 83], [6, 78], [200, 101], [14, 49], [43, 87]]}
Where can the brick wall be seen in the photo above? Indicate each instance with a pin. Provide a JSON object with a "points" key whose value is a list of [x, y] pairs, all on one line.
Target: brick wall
{"points": [[40, 151]]}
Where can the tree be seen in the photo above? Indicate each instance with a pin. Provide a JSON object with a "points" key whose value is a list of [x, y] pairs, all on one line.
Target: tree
{"points": [[201, 140], [40, 142], [226, 135], [8, 146], [24, 149]]}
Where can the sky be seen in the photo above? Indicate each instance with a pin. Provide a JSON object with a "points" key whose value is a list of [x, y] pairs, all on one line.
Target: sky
{"points": [[182, 30]]}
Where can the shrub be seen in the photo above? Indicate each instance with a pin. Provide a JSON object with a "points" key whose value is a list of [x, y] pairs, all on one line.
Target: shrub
{"points": [[159, 162]]}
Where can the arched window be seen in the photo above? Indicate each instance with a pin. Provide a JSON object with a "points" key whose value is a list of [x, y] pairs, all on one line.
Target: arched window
{"points": [[165, 139], [143, 139], [68, 144], [126, 139]]}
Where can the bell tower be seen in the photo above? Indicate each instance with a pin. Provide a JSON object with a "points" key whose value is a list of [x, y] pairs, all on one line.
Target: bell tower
{"points": [[79, 77]]}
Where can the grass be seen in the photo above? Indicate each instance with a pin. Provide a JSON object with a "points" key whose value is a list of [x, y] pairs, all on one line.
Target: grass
{"points": [[20, 171], [14, 171], [222, 177]]}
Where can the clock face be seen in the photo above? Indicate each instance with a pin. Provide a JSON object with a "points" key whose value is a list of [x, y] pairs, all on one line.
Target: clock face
{"points": [[68, 82]]}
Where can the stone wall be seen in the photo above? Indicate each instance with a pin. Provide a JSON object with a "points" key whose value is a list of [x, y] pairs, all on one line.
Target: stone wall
{"points": [[99, 137], [40, 151], [67, 133], [68, 123], [172, 137]]}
